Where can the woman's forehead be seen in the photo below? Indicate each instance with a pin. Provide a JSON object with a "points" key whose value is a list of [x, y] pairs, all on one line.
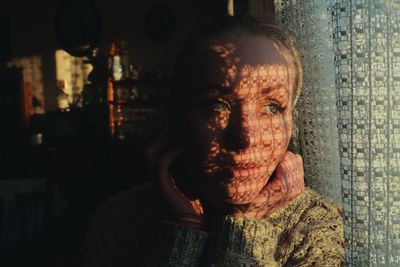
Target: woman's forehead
{"points": [[241, 56], [231, 73], [252, 81], [267, 73], [247, 49]]}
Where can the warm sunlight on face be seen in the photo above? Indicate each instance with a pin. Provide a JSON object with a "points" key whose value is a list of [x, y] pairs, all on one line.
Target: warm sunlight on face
{"points": [[241, 123]]}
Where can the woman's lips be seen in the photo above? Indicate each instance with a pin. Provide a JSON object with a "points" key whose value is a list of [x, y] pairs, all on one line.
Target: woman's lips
{"points": [[245, 171], [229, 173]]}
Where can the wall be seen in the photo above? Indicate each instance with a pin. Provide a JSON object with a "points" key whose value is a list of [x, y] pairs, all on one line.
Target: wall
{"points": [[33, 32]]}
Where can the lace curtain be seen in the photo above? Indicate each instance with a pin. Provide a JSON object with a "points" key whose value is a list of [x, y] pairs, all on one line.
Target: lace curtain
{"points": [[349, 116], [316, 122]]}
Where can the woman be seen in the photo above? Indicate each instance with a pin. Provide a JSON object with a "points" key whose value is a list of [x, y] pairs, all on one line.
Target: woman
{"points": [[228, 192]]}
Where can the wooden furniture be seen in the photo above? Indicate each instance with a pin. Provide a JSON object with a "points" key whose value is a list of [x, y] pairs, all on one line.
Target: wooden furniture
{"points": [[136, 108]]}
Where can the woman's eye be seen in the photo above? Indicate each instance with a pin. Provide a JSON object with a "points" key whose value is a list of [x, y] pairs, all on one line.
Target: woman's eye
{"points": [[218, 106], [214, 108], [273, 108]]}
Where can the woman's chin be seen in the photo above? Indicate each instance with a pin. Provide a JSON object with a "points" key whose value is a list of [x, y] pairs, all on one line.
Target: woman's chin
{"points": [[240, 199], [232, 194]]}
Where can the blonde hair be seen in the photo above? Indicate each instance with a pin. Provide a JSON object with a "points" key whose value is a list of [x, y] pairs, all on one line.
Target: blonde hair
{"points": [[246, 24]]}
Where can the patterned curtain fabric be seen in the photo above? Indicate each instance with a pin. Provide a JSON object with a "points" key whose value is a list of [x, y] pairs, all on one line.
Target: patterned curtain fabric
{"points": [[310, 25], [349, 116]]}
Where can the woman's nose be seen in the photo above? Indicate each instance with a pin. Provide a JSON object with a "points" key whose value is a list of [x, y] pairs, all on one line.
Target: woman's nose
{"points": [[239, 133]]}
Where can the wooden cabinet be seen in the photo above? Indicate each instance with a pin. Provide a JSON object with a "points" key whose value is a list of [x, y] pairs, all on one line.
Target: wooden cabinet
{"points": [[136, 108]]}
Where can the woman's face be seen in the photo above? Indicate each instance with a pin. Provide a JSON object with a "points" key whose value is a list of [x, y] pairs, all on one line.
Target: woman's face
{"points": [[239, 116]]}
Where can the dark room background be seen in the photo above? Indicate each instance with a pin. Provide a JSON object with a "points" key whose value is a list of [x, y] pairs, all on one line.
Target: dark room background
{"points": [[54, 168]]}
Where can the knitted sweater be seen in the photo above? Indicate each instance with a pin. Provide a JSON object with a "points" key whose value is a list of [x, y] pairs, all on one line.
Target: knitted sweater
{"points": [[130, 230]]}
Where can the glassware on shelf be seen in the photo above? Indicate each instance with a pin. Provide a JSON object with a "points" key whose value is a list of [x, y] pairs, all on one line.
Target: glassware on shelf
{"points": [[134, 72], [119, 61], [117, 68]]}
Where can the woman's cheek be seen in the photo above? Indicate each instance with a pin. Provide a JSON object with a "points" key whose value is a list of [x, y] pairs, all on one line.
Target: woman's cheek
{"points": [[288, 122], [212, 127], [221, 121], [202, 133], [286, 131], [275, 140]]}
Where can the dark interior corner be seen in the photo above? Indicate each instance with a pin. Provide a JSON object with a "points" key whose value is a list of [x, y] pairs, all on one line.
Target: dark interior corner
{"points": [[68, 142]]}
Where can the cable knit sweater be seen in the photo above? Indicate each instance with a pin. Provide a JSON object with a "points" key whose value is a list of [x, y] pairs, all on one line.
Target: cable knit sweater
{"points": [[130, 230]]}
